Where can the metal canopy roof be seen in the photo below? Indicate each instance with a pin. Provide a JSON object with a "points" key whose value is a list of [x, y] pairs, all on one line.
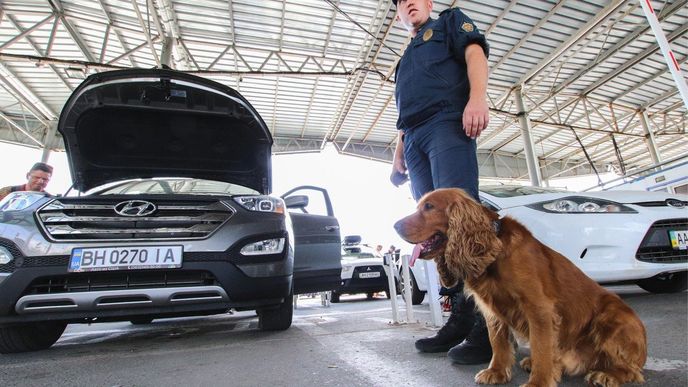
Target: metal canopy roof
{"points": [[321, 71]]}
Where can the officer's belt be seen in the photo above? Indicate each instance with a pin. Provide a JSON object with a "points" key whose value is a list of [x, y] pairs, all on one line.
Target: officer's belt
{"points": [[426, 114]]}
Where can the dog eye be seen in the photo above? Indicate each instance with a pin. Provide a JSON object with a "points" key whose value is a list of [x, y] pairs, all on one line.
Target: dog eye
{"points": [[428, 206]]}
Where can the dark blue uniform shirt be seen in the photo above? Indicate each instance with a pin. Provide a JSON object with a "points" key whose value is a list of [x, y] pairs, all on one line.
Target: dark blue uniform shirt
{"points": [[431, 76]]}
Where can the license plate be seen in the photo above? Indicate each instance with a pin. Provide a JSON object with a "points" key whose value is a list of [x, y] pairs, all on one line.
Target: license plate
{"points": [[125, 258], [679, 239], [372, 274]]}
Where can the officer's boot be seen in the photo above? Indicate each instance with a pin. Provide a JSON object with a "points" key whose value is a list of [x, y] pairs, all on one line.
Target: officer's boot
{"points": [[457, 327], [476, 348]]}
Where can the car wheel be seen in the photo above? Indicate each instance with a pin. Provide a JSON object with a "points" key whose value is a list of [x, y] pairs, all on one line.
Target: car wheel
{"points": [[141, 320], [417, 295], [277, 318], [666, 283], [30, 336], [334, 297]]}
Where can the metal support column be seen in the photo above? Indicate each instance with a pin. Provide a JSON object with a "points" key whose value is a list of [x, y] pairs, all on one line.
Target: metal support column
{"points": [[650, 138], [166, 52], [672, 63], [48, 141], [529, 148]]}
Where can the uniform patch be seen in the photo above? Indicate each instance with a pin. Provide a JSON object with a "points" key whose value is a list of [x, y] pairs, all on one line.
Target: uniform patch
{"points": [[466, 26], [427, 35]]}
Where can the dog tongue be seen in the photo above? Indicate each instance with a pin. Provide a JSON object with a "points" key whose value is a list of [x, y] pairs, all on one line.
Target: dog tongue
{"points": [[415, 254]]}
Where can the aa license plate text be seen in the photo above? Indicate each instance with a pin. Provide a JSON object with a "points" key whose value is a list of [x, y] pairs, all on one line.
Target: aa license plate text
{"points": [[372, 274], [125, 258], [679, 239]]}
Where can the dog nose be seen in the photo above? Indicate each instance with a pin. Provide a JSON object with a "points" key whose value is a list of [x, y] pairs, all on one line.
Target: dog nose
{"points": [[398, 226]]}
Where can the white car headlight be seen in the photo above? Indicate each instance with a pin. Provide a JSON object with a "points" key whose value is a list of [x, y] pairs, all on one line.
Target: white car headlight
{"points": [[347, 268], [22, 200], [262, 203], [268, 246], [581, 205]]}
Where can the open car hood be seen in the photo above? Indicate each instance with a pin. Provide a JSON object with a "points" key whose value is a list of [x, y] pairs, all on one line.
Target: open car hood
{"points": [[140, 123]]}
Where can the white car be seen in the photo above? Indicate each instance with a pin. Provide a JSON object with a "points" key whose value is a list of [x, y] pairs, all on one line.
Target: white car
{"points": [[362, 271], [612, 236]]}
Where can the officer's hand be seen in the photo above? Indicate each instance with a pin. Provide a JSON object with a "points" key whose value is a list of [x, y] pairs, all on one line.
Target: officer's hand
{"points": [[476, 116], [399, 175], [398, 165]]}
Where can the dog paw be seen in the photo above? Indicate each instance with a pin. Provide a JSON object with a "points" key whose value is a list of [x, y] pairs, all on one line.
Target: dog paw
{"points": [[601, 379], [534, 384], [492, 376], [526, 364]]}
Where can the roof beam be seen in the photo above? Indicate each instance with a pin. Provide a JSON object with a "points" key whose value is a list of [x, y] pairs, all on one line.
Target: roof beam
{"points": [[37, 49], [76, 36], [24, 94], [530, 33], [679, 32], [590, 26], [118, 35], [144, 28], [24, 32]]}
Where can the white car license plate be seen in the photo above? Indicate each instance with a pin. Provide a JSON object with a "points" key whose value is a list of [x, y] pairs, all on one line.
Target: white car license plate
{"points": [[679, 239], [125, 258], [372, 274]]}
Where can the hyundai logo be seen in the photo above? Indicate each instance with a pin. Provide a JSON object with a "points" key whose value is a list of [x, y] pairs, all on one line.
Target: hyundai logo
{"points": [[675, 203], [135, 208]]}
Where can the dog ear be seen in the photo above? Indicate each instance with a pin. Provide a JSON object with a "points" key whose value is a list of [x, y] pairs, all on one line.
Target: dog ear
{"points": [[472, 242]]}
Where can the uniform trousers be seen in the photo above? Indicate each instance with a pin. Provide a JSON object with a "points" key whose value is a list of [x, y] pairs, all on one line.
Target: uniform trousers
{"points": [[439, 154]]}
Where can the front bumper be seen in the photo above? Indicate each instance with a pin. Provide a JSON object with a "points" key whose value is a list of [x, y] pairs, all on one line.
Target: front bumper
{"points": [[606, 247]]}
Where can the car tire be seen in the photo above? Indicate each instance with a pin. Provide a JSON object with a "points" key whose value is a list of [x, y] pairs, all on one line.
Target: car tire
{"points": [[417, 295], [334, 297], [666, 283], [277, 318], [30, 336], [141, 321]]}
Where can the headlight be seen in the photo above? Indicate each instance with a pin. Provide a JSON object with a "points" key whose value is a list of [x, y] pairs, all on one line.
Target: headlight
{"points": [[18, 201], [268, 246], [5, 256], [261, 203], [347, 268], [581, 205]]}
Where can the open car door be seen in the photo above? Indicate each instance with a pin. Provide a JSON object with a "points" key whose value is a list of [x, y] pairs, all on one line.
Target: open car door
{"points": [[317, 241]]}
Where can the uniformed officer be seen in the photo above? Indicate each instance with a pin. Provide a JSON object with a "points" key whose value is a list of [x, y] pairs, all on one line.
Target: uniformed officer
{"points": [[37, 179], [441, 83]]}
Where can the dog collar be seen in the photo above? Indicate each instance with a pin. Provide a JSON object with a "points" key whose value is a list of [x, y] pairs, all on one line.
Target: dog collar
{"points": [[497, 225]]}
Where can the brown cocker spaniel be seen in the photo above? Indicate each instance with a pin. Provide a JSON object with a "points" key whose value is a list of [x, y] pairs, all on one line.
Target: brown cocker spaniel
{"points": [[574, 326]]}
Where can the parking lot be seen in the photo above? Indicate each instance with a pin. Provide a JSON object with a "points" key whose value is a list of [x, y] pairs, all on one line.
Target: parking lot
{"points": [[352, 343]]}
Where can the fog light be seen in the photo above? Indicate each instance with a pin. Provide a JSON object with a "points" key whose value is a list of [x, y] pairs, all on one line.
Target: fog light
{"points": [[268, 246], [5, 256]]}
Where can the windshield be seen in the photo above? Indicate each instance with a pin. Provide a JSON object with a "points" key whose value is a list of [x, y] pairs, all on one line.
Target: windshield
{"points": [[507, 191], [357, 252], [166, 186]]}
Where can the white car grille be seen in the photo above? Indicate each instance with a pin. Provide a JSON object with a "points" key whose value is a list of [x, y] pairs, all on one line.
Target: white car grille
{"points": [[656, 246]]}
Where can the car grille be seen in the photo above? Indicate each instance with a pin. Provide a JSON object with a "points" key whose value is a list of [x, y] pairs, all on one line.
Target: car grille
{"points": [[656, 246], [99, 281], [664, 203], [95, 219]]}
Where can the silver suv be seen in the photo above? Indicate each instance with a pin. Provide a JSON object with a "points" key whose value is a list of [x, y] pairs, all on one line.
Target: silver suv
{"points": [[176, 218]]}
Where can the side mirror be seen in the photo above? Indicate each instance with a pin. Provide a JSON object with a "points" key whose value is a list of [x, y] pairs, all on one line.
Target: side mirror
{"points": [[296, 201]]}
